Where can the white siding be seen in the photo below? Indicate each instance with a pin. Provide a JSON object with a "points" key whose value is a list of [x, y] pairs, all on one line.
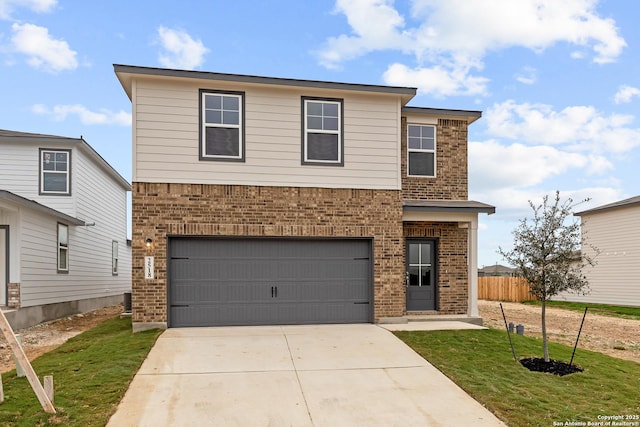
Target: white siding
{"points": [[17, 166], [96, 198], [90, 274], [20, 169], [102, 202], [614, 279], [166, 144]]}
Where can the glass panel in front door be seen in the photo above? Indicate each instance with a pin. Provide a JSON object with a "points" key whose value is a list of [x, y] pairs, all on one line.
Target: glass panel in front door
{"points": [[414, 275], [420, 264]]}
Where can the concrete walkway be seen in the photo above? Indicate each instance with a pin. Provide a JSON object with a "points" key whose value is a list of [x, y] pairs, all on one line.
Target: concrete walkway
{"points": [[326, 375]]}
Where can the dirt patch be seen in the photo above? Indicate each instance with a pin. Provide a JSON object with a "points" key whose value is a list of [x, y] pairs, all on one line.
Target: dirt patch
{"points": [[44, 337], [609, 335]]}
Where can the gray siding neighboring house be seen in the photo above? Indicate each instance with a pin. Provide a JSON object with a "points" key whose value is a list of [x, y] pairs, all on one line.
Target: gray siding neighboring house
{"points": [[63, 228], [614, 229]]}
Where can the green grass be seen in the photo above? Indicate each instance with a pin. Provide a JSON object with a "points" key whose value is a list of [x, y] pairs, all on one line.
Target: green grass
{"points": [[482, 364], [602, 309], [91, 373]]}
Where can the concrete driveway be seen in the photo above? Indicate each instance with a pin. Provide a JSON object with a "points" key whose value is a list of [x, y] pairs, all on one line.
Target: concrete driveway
{"points": [[326, 375]]}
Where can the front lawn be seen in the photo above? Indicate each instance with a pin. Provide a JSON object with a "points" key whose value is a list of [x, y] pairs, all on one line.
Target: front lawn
{"points": [[482, 364], [91, 373]]}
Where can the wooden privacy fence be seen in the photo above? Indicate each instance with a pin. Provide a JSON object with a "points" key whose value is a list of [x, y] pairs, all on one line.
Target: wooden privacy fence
{"points": [[513, 289]]}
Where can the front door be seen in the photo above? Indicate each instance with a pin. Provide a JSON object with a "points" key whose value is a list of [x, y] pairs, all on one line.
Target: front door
{"points": [[4, 263], [421, 275]]}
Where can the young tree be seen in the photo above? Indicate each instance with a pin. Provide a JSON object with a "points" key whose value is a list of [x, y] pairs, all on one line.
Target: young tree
{"points": [[546, 253]]}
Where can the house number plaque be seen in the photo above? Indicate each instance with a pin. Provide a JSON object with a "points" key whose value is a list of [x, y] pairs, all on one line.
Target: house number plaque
{"points": [[148, 267]]}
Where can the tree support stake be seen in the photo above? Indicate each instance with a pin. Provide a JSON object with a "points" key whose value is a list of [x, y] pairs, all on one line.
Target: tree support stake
{"points": [[508, 334]]}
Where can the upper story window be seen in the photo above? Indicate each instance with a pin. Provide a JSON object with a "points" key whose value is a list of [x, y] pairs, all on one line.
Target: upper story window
{"points": [[55, 172], [421, 150], [221, 126], [322, 132]]}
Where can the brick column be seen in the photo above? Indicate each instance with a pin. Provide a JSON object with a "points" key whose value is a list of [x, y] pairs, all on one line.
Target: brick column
{"points": [[13, 295]]}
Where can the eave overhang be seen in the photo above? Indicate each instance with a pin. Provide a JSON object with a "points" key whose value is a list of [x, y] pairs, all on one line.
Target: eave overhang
{"points": [[32, 204], [126, 74], [447, 206]]}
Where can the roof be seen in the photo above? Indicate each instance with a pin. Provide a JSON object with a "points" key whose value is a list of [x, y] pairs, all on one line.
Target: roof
{"points": [[55, 139], [466, 206], [125, 72], [470, 115], [32, 204], [496, 268], [633, 201]]}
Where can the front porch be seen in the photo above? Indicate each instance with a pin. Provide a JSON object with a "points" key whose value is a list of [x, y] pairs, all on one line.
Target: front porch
{"points": [[441, 260]]}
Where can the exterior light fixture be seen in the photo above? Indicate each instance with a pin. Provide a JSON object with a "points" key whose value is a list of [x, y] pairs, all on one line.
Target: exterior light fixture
{"points": [[148, 243]]}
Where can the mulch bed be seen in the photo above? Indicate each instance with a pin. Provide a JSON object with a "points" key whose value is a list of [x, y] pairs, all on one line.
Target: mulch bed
{"points": [[554, 367]]}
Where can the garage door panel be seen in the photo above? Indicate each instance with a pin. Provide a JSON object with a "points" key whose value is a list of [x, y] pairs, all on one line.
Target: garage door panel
{"points": [[327, 290], [269, 281], [195, 292], [218, 314]]}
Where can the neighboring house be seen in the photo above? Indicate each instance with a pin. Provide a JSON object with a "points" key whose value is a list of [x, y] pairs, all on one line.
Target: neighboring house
{"points": [[63, 228], [496, 270], [260, 200], [614, 230]]}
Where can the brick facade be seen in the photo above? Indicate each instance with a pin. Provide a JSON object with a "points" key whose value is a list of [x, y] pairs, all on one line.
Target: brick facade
{"points": [[452, 271], [450, 182], [13, 295], [161, 210]]}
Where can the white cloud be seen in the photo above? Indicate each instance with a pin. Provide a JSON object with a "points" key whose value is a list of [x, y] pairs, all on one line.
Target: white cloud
{"points": [[376, 25], [44, 51], [625, 94], [87, 117], [580, 128], [438, 81], [527, 76], [180, 50], [38, 6], [455, 35], [513, 203], [495, 165], [479, 27], [539, 145]]}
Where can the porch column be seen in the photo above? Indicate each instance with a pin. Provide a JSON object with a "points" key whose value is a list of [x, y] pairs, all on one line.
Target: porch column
{"points": [[473, 268]]}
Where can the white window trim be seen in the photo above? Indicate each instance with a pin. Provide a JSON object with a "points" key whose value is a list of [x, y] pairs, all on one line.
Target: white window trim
{"points": [[420, 150], [67, 172], [61, 247], [205, 125], [338, 132]]}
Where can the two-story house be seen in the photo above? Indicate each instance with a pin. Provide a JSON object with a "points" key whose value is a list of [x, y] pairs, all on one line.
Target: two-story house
{"points": [[63, 228], [260, 200]]}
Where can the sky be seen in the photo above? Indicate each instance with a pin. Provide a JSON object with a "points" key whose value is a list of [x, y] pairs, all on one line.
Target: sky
{"points": [[558, 82]]}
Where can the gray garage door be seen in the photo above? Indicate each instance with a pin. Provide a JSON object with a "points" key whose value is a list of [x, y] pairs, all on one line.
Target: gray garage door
{"points": [[269, 281]]}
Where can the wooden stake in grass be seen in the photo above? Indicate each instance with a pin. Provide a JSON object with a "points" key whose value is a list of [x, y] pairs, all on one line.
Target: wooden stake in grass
{"points": [[26, 365], [1, 391], [48, 386], [19, 370]]}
